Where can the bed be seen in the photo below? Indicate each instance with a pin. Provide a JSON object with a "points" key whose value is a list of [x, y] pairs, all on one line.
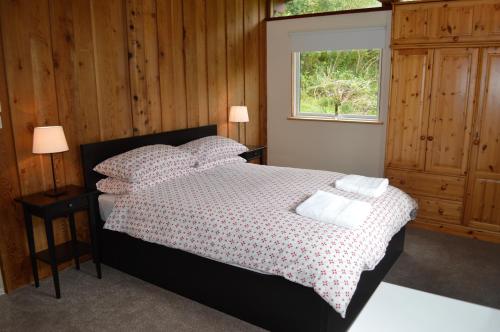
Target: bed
{"points": [[255, 291]]}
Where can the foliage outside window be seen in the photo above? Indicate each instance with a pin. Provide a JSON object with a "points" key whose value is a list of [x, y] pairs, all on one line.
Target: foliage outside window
{"points": [[301, 7], [342, 85]]}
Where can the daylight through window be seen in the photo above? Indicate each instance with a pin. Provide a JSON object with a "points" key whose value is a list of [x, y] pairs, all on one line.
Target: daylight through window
{"points": [[341, 84], [302, 7]]}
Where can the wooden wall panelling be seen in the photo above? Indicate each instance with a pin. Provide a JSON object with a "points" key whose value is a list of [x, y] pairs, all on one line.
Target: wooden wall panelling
{"points": [[235, 60], [452, 105], [408, 118], [75, 79], [14, 262], [171, 64], [67, 62], [251, 38], [33, 102], [195, 52], [217, 62], [28, 57], [483, 194], [143, 66], [263, 12], [110, 52]]}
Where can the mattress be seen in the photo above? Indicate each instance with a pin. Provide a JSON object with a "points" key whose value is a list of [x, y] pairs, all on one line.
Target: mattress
{"points": [[244, 215], [106, 204]]}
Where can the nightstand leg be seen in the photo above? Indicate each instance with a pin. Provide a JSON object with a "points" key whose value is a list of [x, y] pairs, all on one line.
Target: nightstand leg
{"points": [[52, 252], [93, 236], [31, 244], [74, 240]]}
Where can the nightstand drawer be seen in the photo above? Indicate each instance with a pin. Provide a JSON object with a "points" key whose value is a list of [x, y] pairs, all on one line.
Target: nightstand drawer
{"points": [[63, 208]]}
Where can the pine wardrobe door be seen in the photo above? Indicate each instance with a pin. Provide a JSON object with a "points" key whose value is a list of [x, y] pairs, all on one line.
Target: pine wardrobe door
{"points": [[452, 104], [483, 192], [409, 108]]}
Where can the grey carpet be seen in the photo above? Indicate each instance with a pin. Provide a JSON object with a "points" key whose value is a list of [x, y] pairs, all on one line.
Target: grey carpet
{"points": [[450, 266]]}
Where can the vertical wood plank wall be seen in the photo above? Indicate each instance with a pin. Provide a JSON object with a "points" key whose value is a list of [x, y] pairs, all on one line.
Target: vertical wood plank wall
{"points": [[107, 69]]}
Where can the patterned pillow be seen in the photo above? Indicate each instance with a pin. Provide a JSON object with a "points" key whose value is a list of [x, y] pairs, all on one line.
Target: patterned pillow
{"points": [[147, 162], [221, 162], [212, 148], [119, 187]]}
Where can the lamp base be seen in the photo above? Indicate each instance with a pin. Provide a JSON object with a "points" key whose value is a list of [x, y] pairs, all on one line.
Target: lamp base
{"points": [[55, 193]]}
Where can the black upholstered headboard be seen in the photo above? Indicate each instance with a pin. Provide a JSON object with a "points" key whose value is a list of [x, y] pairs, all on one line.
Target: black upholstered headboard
{"points": [[94, 153]]}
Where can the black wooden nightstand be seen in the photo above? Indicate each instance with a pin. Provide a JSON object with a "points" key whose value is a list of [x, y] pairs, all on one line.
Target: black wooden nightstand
{"points": [[254, 152], [75, 199]]}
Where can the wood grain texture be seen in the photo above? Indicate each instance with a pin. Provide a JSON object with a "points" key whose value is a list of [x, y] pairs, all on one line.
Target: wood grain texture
{"points": [[105, 69], [407, 131], [27, 48], [235, 60], [483, 193], [457, 180], [196, 64], [14, 261], [143, 66], [171, 62], [450, 117], [217, 66], [251, 65], [112, 75], [446, 21]]}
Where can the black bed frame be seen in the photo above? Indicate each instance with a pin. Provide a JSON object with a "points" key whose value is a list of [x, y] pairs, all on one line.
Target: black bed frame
{"points": [[271, 302]]}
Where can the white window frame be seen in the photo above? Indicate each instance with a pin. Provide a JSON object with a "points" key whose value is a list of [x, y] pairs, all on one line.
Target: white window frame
{"points": [[296, 92]]}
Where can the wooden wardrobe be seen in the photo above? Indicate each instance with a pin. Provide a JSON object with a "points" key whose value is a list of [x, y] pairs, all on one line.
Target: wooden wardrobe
{"points": [[443, 139]]}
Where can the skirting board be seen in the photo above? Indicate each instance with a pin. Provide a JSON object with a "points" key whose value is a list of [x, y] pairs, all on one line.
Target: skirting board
{"points": [[456, 230]]}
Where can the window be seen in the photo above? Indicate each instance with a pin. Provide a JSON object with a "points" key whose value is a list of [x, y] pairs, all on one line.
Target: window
{"points": [[282, 8], [340, 84]]}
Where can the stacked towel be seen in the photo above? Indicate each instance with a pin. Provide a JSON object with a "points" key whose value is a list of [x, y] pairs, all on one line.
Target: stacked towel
{"points": [[373, 187], [330, 208]]}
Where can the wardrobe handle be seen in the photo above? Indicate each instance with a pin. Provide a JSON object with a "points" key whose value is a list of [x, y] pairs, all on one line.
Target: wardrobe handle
{"points": [[422, 138], [430, 138], [441, 211]]}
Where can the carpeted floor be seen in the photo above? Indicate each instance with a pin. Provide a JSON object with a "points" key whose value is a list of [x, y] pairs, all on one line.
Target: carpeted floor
{"points": [[451, 266]]}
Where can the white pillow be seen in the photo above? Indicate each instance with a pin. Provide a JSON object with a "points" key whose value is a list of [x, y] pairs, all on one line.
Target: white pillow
{"points": [[212, 148], [221, 162], [119, 187], [147, 162]]}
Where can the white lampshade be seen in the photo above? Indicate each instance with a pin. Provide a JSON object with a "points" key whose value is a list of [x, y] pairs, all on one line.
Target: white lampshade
{"points": [[49, 139], [238, 114]]}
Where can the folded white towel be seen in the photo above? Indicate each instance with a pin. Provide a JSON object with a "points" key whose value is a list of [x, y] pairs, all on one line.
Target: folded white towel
{"points": [[330, 208], [373, 187]]}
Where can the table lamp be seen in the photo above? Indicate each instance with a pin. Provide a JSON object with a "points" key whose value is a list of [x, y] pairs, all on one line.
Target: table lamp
{"points": [[238, 114], [50, 139]]}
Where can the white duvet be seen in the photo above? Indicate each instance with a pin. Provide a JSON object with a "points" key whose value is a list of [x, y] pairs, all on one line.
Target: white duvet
{"points": [[244, 215]]}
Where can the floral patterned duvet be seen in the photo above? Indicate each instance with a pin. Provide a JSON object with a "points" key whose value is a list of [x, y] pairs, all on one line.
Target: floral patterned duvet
{"points": [[244, 215]]}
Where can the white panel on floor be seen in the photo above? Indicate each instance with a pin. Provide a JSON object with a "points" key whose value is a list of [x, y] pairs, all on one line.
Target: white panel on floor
{"points": [[394, 308]]}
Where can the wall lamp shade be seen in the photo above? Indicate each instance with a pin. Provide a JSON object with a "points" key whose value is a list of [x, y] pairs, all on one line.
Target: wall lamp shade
{"points": [[238, 114], [49, 139]]}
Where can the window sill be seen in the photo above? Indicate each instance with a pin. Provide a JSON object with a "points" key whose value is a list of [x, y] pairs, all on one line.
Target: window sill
{"points": [[305, 118]]}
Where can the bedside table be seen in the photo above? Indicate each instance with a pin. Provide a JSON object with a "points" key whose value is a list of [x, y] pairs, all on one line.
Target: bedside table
{"points": [[254, 152], [48, 208]]}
